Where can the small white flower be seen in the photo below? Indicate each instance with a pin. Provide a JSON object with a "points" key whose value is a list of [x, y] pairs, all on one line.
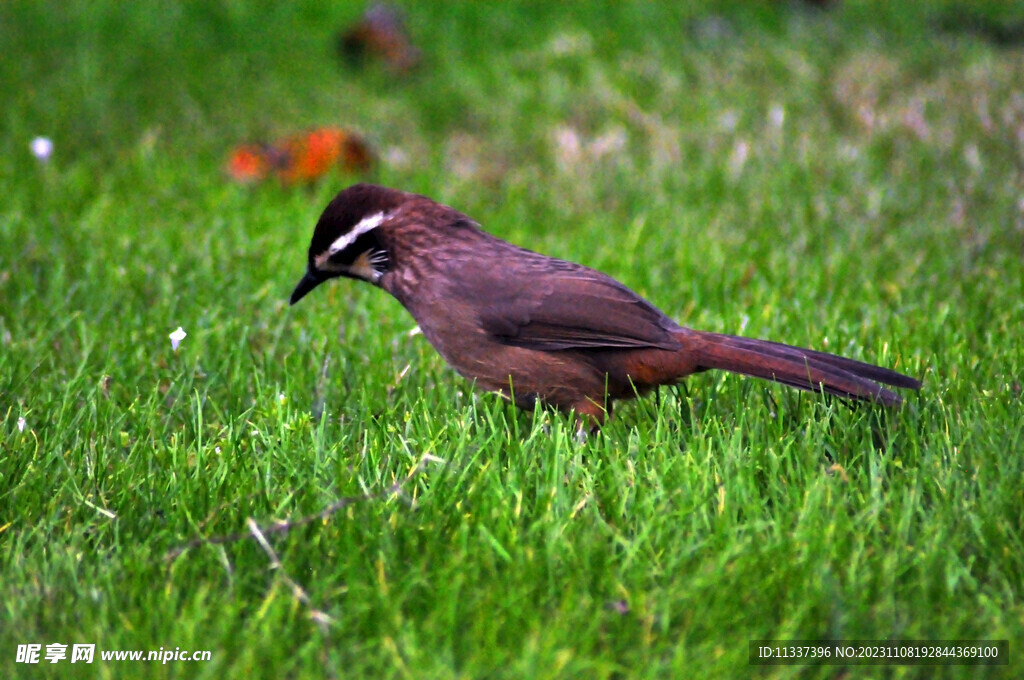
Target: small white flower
{"points": [[728, 120], [738, 158], [21, 424], [176, 337], [42, 148]]}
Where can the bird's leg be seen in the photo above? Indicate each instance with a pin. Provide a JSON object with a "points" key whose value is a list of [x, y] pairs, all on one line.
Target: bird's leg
{"points": [[590, 416]]}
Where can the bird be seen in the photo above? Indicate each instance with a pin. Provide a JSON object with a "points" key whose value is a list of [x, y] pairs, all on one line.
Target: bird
{"points": [[301, 158], [381, 34], [535, 328]]}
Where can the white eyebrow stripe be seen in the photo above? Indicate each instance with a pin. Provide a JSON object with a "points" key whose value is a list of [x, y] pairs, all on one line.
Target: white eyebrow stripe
{"points": [[366, 224]]}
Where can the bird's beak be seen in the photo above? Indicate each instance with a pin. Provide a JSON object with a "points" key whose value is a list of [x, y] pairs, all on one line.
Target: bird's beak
{"points": [[310, 281]]}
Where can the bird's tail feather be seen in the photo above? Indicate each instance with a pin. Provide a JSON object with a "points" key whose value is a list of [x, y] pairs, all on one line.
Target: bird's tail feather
{"points": [[797, 367]]}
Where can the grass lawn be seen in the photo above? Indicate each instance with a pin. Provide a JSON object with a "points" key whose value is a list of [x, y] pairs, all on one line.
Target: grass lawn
{"points": [[849, 180]]}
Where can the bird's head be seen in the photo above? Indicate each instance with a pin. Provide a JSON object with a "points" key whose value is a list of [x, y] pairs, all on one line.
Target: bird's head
{"points": [[347, 239]]}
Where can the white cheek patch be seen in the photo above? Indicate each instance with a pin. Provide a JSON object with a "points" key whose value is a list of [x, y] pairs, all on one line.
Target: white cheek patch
{"points": [[366, 224]]}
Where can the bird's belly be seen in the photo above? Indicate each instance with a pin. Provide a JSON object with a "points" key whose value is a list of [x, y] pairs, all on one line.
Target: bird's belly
{"points": [[523, 375]]}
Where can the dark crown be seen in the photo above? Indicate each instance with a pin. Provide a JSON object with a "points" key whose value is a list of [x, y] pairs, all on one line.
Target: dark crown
{"points": [[348, 209]]}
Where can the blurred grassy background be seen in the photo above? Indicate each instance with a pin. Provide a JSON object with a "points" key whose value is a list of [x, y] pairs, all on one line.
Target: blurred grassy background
{"points": [[846, 179]]}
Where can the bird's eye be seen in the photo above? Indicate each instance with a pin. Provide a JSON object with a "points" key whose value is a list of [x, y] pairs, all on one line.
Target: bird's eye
{"points": [[348, 254]]}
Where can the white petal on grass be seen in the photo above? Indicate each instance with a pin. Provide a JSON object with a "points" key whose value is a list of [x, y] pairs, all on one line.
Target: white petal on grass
{"points": [[176, 337], [21, 424], [42, 148], [728, 120]]}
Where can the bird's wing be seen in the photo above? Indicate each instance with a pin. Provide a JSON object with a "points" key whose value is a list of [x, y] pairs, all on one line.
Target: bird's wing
{"points": [[556, 305]]}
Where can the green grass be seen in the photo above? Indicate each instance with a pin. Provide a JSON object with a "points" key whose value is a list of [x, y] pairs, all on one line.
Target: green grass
{"points": [[850, 181]]}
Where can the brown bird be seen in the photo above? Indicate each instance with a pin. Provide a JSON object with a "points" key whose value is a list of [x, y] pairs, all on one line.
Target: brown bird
{"points": [[532, 327], [381, 34]]}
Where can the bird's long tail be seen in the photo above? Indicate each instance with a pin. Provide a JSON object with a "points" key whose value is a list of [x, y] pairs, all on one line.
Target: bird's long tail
{"points": [[801, 368]]}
